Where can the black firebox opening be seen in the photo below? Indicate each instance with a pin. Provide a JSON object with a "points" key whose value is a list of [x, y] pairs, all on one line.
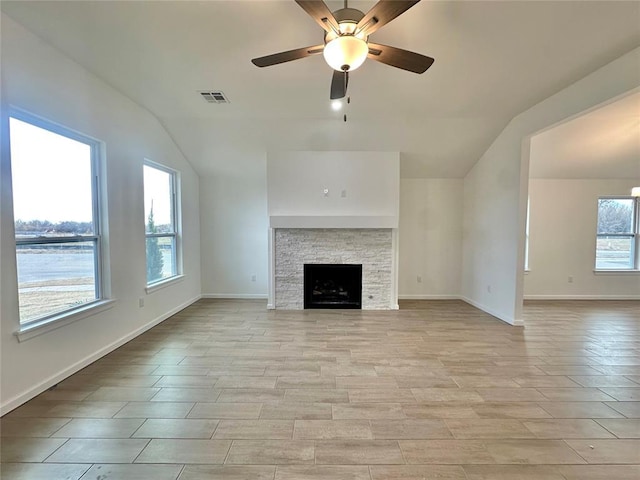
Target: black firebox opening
{"points": [[332, 286]]}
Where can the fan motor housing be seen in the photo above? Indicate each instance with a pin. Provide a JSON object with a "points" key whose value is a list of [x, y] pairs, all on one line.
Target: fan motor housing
{"points": [[344, 15], [348, 15]]}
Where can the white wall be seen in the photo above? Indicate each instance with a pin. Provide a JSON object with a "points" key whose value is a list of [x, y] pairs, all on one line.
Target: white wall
{"points": [[496, 190], [296, 183], [562, 241], [233, 209], [234, 233], [39, 79], [430, 237]]}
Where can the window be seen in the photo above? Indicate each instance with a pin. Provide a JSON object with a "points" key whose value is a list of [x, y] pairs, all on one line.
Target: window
{"points": [[617, 238], [160, 209], [56, 212]]}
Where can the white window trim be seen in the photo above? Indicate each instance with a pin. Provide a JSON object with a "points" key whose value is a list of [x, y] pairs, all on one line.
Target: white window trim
{"points": [[36, 328], [616, 272], [176, 214], [53, 321], [167, 282]]}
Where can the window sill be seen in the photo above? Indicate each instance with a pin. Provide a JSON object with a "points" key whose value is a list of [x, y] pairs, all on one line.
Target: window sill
{"points": [[66, 318], [616, 272], [164, 283]]}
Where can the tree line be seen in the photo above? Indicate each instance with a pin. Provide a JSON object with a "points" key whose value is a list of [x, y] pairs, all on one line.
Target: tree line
{"points": [[614, 216], [45, 226], [68, 227]]}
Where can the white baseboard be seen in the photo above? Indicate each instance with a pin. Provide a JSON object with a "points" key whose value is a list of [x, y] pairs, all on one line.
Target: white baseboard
{"points": [[429, 297], [67, 372], [582, 297], [241, 296], [499, 316], [516, 322]]}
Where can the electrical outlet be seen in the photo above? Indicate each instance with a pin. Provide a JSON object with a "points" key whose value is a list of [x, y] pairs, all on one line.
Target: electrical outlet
{"points": [[254, 277], [343, 194], [489, 288], [570, 279], [419, 278], [141, 302]]}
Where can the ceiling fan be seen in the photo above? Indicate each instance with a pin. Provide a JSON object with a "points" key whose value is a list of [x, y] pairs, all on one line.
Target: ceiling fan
{"points": [[346, 41]]}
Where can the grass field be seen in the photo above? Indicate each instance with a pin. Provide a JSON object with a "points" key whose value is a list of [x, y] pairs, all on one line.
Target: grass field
{"points": [[47, 297]]}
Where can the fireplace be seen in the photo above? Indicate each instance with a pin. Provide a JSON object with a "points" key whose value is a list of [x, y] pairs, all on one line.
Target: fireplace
{"points": [[332, 286], [373, 248]]}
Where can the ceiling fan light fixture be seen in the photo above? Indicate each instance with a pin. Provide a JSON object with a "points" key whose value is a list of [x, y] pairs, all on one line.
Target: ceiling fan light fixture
{"points": [[345, 53]]}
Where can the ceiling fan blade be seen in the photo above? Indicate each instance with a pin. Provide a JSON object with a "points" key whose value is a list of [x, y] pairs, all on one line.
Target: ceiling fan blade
{"points": [[339, 83], [382, 13], [319, 11], [288, 56], [396, 57]]}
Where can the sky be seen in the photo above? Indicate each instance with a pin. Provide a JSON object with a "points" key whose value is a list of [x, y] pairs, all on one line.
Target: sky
{"points": [[51, 177], [157, 189]]}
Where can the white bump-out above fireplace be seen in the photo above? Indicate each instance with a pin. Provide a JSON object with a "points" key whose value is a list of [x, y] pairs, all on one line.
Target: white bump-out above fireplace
{"points": [[333, 207]]}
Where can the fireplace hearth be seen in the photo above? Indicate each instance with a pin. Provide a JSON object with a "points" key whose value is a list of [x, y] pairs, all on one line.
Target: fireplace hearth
{"points": [[332, 286]]}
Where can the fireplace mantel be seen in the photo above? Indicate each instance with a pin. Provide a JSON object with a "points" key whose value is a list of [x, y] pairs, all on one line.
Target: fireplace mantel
{"points": [[337, 221]]}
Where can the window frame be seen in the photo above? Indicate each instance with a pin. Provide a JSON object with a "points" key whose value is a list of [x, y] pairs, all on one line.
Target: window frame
{"points": [[53, 320], [634, 235], [175, 223]]}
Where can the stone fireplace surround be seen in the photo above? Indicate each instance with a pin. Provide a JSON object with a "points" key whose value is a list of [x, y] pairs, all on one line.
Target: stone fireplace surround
{"points": [[374, 248]]}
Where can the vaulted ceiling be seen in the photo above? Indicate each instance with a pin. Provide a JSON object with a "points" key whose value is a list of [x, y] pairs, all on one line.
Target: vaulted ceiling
{"points": [[493, 61], [601, 143]]}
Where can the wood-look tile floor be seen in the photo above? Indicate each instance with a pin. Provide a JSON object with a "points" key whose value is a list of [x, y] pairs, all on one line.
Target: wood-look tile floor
{"points": [[228, 390]]}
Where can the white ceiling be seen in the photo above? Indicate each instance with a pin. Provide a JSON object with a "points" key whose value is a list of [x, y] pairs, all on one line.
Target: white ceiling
{"points": [[602, 143], [493, 60]]}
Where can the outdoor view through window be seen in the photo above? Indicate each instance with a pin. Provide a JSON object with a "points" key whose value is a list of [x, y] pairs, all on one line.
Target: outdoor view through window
{"points": [[54, 208]]}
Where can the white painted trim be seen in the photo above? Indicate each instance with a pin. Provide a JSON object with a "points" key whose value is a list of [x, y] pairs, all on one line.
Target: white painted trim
{"points": [[241, 296], [516, 322], [616, 272], [582, 297], [395, 262], [429, 297], [154, 287], [67, 372], [272, 269], [63, 319], [340, 221]]}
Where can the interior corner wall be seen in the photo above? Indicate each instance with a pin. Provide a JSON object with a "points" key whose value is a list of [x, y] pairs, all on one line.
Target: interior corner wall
{"points": [[495, 194], [430, 238], [39, 79], [562, 241], [235, 232]]}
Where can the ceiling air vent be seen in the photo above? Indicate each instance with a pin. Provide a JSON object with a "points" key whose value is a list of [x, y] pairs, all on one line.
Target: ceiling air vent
{"points": [[215, 96]]}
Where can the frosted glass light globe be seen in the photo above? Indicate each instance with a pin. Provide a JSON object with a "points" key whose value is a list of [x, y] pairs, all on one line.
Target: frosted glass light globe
{"points": [[346, 53]]}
